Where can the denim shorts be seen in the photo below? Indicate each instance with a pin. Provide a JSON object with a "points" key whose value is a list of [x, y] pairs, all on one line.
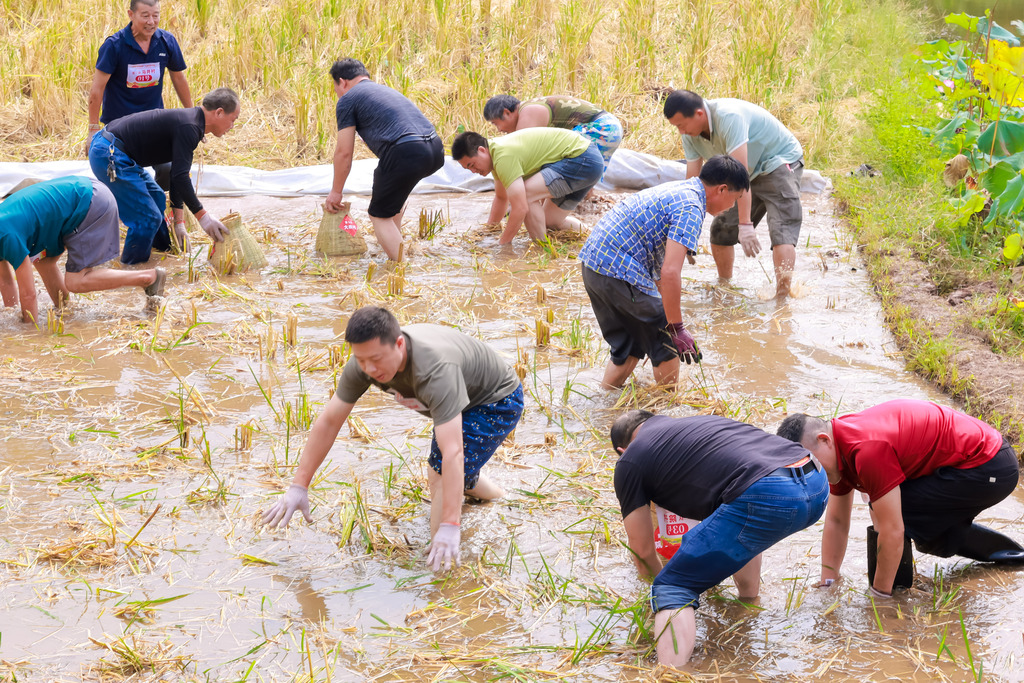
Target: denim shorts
{"points": [[772, 508], [484, 428], [569, 180]]}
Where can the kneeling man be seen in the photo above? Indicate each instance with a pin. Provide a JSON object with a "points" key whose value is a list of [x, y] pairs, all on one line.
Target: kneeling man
{"points": [[928, 471], [474, 398], [41, 222], [719, 471]]}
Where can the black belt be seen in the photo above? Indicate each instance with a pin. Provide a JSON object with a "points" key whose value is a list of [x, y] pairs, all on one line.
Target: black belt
{"points": [[807, 468], [414, 137], [114, 141]]}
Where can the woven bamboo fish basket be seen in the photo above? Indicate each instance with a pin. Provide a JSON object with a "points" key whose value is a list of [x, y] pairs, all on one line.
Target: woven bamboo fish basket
{"points": [[239, 251], [339, 235]]}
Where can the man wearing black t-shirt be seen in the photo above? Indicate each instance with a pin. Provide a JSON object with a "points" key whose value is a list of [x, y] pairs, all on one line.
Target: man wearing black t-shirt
{"points": [[750, 488], [397, 132], [119, 153]]}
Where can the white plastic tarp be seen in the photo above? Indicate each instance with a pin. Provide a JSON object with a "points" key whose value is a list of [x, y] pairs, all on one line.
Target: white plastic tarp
{"points": [[628, 170]]}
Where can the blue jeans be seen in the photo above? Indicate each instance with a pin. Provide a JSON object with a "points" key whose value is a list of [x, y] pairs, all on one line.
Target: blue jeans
{"points": [[140, 201], [484, 428], [771, 508], [569, 180]]}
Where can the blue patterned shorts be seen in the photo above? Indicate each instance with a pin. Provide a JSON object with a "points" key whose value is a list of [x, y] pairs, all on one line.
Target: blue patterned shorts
{"points": [[606, 131], [484, 428]]}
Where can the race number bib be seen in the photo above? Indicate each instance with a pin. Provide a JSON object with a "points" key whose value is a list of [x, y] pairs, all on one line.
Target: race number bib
{"points": [[407, 402], [143, 75]]}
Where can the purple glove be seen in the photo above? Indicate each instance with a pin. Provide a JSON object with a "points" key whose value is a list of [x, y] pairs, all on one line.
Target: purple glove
{"points": [[295, 498], [683, 340], [444, 549]]}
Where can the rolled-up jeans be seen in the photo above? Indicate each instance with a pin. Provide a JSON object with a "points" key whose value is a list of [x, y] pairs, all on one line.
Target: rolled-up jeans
{"points": [[772, 508], [140, 201]]}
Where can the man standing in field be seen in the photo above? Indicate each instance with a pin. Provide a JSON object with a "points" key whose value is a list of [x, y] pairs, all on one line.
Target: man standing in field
{"points": [[121, 150], [722, 472], [773, 158], [404, 141], [41, 222], [631, 266], [928, 472], [508, 115], [540, 176], [129, 74], [471, 394]]}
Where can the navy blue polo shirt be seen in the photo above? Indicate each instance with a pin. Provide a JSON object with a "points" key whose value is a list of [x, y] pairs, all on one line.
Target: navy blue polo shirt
{"points": [[136, 77]]}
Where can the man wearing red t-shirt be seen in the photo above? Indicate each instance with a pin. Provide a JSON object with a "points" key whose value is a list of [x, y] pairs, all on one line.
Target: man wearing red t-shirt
{"points": [[928, 472]]}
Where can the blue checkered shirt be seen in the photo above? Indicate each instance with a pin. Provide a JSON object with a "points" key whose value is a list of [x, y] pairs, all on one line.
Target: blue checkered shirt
{"points": [[628, 243]]}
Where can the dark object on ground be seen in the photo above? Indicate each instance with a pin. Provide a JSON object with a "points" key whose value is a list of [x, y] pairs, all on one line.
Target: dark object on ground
{"points": [[865, 171]]}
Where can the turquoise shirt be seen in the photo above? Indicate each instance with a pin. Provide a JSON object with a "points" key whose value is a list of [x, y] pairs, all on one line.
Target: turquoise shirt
{"points": [[735, 122], [34, 221]]}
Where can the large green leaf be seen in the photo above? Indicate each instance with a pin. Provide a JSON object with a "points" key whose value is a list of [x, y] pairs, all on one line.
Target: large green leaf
{"points": [[995, 179], [954, 134], [980, 26], [1012, 249], [1002, 139], [1010, 202]]}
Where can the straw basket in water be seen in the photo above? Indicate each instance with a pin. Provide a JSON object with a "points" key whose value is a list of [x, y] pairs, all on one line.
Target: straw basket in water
{"points": [[339, 235], [239, 251]]}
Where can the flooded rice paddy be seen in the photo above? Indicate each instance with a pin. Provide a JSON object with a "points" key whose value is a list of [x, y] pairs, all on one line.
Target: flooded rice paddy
{"points": [[139, 446]]}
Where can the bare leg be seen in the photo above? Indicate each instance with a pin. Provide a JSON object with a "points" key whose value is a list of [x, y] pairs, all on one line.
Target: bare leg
{"points": [[555, 217], [486, 489], [8, 285], [616, 375], [724, 257], [784, 257], [667, 374], [534, 221], [101, 279], [748, 580], [389, 237], [676, 631]]}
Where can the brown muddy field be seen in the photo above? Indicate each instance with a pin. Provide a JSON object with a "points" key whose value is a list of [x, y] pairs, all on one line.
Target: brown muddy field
{"points": [[139, 446]]}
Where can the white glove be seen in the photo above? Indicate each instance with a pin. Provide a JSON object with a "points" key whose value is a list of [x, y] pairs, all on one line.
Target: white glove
{"points": [[748, 239], [295, 498], [444, 549], [181, 237], [213, 227]]}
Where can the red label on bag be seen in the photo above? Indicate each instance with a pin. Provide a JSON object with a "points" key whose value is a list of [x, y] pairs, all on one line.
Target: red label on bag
{"points": [[349, 225]]}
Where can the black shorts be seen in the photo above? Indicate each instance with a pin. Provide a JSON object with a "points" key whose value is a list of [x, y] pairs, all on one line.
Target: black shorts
{"points": [[402, 166], [632, 322], [939, 509]]}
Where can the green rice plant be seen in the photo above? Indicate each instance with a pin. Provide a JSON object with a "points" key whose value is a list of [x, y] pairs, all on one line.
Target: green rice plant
{"points": [[431, 223]]}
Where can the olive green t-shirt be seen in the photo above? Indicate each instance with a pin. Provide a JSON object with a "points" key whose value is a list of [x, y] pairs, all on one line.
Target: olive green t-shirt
{"points": [[566, 111], [524, 152], [446, 372]]}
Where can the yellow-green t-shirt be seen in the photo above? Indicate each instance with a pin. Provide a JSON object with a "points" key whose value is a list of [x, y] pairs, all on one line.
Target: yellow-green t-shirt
{"points": [[524, 152]]}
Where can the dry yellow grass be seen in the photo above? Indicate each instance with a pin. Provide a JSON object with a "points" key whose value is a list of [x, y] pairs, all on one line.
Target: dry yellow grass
{"points": [[800, 58]]}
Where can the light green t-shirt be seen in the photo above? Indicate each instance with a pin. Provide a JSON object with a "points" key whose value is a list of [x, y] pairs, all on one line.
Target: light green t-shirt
{"points": [[524, 152], [446, 372], [734, 122]]}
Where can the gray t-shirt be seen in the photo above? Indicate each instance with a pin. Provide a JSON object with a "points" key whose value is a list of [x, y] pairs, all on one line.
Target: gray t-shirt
{"points": [[446, 372], [692, 465], [381, 115]]}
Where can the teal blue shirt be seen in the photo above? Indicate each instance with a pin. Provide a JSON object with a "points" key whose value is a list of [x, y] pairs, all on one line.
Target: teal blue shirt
{"points": [[34, 221], [735, 122]]}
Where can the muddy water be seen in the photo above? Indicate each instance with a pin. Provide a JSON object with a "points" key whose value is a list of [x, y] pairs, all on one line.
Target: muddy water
{"points": [[93, 417]]}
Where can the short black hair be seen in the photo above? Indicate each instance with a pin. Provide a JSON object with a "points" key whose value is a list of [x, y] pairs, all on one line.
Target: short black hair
{"points": [[372, 322], [685, 102], [725, 170], [624, 426], [347, 69], [498, 105], [796, 426], [221, 98], [466, 144]]}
